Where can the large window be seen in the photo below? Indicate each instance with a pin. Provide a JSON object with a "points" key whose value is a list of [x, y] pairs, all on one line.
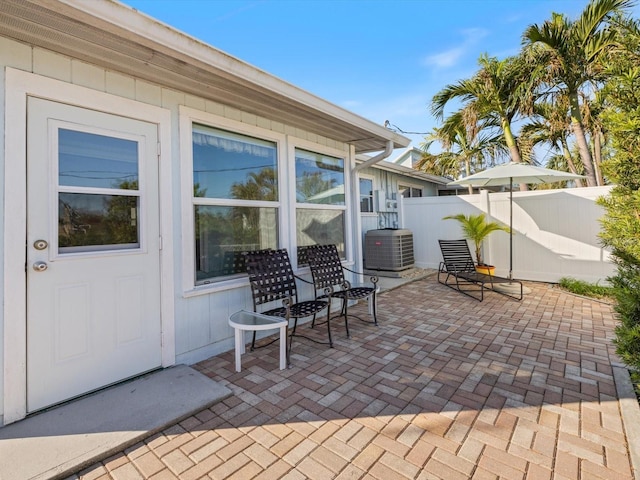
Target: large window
{"points": [[320, 197], [235, 200]]}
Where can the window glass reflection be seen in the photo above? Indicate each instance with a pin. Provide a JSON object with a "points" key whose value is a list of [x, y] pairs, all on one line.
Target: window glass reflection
{"points": [[88, 222], [319, 227], [223, 233], [229, 165], [99, 161], [366, 195], [319, 178]]}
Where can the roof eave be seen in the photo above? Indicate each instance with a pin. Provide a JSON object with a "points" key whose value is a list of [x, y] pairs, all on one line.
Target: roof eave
{"points": [[154, 51]]}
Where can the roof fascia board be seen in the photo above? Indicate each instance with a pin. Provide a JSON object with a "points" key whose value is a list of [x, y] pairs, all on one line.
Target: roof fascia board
{"points": [[170, 40], [410, 172]]}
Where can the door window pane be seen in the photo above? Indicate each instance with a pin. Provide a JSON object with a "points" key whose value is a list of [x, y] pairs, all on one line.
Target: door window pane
{"points": [[89, 222], [319, 178], [91, 160], [223, 233], [229, 165]]}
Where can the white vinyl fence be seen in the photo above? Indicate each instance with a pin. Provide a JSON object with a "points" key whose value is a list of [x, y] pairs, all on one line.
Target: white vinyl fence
{"points": [[555, 232]]}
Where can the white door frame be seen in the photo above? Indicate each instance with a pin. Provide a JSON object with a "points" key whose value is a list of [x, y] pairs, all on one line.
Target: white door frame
{"points": [[18, 86]]}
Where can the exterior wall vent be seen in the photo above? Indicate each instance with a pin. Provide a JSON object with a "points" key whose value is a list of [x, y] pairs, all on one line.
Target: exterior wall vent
{"points": [[388, 249]]}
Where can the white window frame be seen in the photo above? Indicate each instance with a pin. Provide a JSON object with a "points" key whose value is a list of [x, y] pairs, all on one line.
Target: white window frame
{"points": [[187, 117], [373, 213], [410, 185], [293, 205]]}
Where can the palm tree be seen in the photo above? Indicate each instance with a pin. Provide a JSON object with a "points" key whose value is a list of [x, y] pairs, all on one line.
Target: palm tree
{"points": [[495, 94], [592, 109], [570, 52], [465, 149], [260, 185], [551, 126], [476, 228]]}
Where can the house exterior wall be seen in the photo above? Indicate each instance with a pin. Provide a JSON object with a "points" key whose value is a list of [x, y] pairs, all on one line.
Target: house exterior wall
{"points": [[555, 232], [386, 184], [199, 314]]}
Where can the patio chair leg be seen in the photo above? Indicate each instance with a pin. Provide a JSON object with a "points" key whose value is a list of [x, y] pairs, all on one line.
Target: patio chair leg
{"points": [[313, 321], [329, 327], [253, 341], [345, 307], [293, 331], [374, 308]]}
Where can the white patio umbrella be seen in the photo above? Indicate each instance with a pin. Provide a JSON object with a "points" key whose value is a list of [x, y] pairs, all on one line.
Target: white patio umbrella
{"points": [[508, 174]]}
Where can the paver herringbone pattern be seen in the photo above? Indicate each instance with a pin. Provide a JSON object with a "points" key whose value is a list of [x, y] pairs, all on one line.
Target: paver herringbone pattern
{"points": [[445, 388]]}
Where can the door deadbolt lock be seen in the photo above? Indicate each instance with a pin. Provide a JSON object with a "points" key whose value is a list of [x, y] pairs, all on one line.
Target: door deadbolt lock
{"points": [[40, 266], [40, 244]]}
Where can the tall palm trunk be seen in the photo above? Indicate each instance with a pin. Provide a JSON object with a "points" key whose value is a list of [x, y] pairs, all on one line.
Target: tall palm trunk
{"points": [[581, 141], [514, 151], [572, 166], [597, 155], [467, 168]]}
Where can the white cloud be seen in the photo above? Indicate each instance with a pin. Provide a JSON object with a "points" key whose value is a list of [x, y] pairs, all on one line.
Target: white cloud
{"points": [[445, 59], [449, 58]]}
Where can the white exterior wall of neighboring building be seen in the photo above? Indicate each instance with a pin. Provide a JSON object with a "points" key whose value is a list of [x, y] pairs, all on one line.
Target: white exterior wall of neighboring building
{"points": [[555, 232]]}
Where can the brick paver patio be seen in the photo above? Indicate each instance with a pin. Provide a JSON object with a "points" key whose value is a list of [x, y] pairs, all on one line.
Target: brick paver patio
{"points": [[445, 388]]}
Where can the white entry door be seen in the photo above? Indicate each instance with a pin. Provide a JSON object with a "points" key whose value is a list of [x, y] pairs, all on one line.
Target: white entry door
{"points": [[93, 251]]}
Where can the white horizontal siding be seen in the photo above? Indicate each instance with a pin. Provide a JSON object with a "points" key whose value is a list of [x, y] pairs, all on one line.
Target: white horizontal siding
{"points": [[201, 327]]}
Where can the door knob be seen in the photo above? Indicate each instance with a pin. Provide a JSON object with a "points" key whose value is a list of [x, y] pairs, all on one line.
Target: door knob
{"points": [[40, 266]]}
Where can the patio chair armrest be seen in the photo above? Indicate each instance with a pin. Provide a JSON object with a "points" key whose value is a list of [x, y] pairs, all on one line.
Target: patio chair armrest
{"points": [[302, 279], [373, 278], [352, 271]]}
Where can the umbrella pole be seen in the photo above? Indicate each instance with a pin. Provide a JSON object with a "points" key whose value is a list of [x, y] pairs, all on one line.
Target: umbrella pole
{"points": [[510, 228]]}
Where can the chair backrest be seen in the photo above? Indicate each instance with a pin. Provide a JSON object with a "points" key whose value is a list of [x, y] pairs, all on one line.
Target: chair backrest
{"points": [[325, 264], [456, 255], [271, 276], [233, 262]]}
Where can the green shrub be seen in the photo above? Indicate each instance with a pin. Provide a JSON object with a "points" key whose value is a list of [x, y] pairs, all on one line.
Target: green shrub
{"points": [[621, 224], [586, 289], [627, 293]]}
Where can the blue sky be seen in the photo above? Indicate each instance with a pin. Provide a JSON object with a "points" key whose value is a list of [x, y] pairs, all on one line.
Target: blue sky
{"points": [[381, 59]]}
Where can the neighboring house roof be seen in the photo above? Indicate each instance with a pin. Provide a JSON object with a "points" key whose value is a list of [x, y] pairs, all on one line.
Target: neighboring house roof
{"points": [[406, 171], [114, 36], [408, 158]]}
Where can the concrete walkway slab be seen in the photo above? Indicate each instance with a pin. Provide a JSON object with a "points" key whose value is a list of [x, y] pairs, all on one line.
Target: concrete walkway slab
{"points": [[63, 440]]}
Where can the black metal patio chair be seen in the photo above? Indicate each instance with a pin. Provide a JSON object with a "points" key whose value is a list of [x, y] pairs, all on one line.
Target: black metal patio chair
{"points": [[272, 281], [459, 272], [327, 271]]}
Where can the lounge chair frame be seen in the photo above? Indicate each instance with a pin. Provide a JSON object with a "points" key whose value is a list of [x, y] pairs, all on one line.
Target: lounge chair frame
{"points": [[459, 272]]}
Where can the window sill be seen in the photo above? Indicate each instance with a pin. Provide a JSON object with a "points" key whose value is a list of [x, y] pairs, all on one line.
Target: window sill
{"points": [[215, 287]]}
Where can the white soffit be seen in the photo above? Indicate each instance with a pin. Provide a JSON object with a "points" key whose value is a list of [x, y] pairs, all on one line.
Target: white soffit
{"points": [[116, 37]]}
